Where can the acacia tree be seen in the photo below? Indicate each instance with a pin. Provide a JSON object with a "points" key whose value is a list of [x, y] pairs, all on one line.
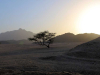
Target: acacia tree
{"points": [[43, 38]]}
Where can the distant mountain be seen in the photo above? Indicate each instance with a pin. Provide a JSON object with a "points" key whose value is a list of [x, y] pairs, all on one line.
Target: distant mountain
{"points": [[16, 35], [22, 34], [67, 37], [70, 37]]}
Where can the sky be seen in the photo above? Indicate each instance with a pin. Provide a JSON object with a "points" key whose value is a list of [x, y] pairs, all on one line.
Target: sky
{"points": [[59, 16]]}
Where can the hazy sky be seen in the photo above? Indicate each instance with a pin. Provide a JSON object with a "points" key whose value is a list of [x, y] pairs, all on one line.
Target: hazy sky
{"points": [[60, 16]]}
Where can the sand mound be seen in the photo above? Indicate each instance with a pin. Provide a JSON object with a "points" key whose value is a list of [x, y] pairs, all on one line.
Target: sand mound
{"points": [[90, 49]]}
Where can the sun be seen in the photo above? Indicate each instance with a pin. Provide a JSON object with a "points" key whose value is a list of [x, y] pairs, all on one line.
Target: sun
{"points": [[89, 21]]}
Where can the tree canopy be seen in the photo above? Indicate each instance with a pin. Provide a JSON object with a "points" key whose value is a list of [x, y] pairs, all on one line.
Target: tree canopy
{"points": [[43, 38]]}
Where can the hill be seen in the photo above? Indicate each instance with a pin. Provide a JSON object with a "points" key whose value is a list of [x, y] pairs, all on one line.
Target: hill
{"points": [[22, 34], [19, 34], [90, 49], [70, 37]]}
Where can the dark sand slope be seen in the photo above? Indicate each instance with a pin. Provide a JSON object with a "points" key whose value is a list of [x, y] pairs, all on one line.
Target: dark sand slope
{"points": [[89, 50]]}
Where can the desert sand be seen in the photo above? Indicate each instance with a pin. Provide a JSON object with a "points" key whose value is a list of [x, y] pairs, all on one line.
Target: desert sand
{"points": [[31, 59]]}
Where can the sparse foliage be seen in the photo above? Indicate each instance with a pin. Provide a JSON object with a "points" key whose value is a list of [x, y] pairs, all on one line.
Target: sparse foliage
{"points": [[43, 38]]}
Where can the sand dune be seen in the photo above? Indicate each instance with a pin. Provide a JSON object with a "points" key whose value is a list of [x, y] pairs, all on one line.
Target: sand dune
{"points": [[89, 50]]}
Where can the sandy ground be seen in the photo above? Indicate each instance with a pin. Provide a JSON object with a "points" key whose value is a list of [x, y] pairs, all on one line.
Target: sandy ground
{"points": [[30, 57]]}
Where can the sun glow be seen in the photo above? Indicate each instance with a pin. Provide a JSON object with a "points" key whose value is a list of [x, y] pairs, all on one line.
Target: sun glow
{"points": [[89, 21]]}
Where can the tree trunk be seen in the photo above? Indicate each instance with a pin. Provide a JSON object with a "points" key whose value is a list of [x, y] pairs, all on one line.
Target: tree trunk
{"points": [[48, 46], [43, 40]]}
